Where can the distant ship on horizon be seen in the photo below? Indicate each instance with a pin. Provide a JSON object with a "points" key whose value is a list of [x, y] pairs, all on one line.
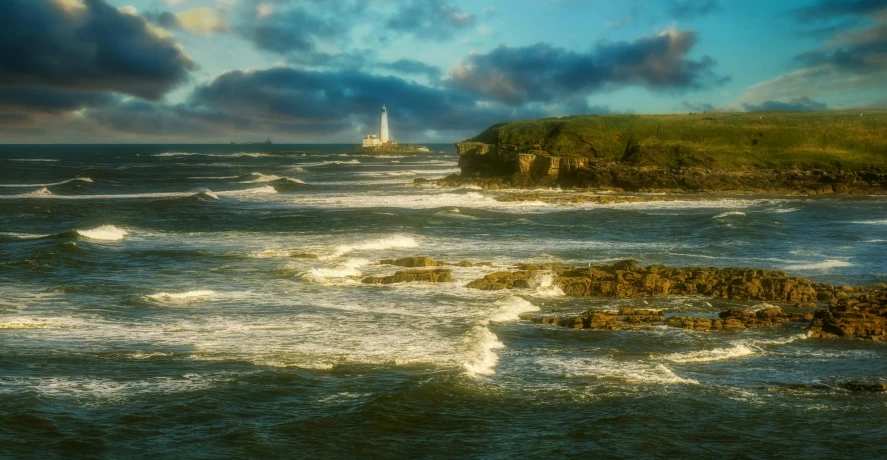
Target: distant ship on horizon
{"points": [[267, 141]]}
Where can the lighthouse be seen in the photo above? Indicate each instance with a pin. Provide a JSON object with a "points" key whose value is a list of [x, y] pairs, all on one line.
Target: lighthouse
{"points": [[383, 130]]}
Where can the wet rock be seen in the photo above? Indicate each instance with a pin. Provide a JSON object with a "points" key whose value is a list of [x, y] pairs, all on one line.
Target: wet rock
{"points": [[628, 279], [304, 255], [412, 262], [864, 386], [440, 275], [733, 319], [608, 320], [861, 314]]}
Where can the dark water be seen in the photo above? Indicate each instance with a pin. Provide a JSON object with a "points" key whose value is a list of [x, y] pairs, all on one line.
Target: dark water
{"points": [[149, 306]]}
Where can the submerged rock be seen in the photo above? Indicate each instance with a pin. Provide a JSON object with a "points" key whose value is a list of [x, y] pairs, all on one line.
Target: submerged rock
{"points": [[864, 386], [304, 255], [440, 275]]}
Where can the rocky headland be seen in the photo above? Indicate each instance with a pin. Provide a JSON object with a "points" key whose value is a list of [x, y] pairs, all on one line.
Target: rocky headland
{"points": [[719, 154]]}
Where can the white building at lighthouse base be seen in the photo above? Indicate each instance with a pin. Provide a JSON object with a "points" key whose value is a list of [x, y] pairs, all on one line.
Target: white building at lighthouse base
{"points": [[372, 141]]}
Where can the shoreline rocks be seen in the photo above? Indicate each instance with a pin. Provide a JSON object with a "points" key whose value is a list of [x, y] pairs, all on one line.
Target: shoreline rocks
{"points": [[853, 312], [421, 261], [440, 275]]}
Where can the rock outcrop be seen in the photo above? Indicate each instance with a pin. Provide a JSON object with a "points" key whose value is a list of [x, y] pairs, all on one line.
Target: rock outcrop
{"points": [[440, 275], [735, 318], [628, 279], [854, 313], [608, 320], [412, 262]]}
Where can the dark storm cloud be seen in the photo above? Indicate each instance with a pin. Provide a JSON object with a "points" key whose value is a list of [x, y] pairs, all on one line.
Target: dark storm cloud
{"points": [[703, 107], [430, 19], [543, 73], [337, 100], [801, 104], [829, 9], [688, 9], [87, 48], [296, 30], [413, 67]]}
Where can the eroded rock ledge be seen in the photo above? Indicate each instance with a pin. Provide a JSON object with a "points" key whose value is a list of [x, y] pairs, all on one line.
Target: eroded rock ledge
{"points": [[852, 311], [495, 166]]}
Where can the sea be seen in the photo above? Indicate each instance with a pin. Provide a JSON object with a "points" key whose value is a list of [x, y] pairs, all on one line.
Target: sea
{"points": [[151, 306]]}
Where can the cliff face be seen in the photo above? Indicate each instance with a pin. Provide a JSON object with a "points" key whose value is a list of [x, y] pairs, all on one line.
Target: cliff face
{"points": [[497, 165], [801, 153]]}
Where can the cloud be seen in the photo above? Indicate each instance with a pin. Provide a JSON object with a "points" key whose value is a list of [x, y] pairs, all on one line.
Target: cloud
{"points": [[703, 107], [413, 67], [431, 19], [543, 73], [824, 10], [802, 104], [688, 9], [202, 21], [853, 59], [89, 47]]}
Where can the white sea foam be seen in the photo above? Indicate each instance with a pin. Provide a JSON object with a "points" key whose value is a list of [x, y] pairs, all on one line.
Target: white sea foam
{"points": [[391, 242], [22, 236], [718, 354], [342, 272], [36, 160], [331, 162], [729, 214], [483, 360], [543, 286], [259, 178], [643, 372], [213, 177], [510, 308], [871, 222], [104, 233], [43, 192], [50, 184], [266, 190], [823, 265], [183, 297]]}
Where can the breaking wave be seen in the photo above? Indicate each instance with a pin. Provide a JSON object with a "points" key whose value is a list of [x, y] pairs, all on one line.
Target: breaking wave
{"points": [[104, 233], [182, 297], [376, 245], [824, 265], [728, 214], [76, 179]]}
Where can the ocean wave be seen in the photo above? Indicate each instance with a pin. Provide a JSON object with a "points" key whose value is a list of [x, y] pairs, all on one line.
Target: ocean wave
{"points": [[330, 162], [728, 214], [346, 271], [642, 372], [213, 177], [717, 354], [75, 179], [510, 308], [870, 222], [823, 265], [738, 350], [390, 242], [268, 189], [42, 192], [260, 178], [183, 297], [104, 233], [484, 357], [22, 236], [36, 160]]}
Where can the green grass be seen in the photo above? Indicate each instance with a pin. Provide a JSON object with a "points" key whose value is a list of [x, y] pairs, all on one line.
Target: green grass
{"points": [[775, 140]]}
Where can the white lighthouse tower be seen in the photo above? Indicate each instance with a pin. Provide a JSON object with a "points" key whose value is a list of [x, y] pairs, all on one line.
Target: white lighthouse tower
{"points": [[383, 131]]}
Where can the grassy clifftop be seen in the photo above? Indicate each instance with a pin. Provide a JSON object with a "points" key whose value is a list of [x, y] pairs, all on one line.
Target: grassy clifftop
{"points": [[828, 139]]}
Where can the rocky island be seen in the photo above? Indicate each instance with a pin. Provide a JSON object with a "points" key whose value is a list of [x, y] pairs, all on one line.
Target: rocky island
{"points": [[810, 153]]}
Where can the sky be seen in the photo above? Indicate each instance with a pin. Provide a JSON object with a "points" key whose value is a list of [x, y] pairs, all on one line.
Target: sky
{"points": [[318, 71]]}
